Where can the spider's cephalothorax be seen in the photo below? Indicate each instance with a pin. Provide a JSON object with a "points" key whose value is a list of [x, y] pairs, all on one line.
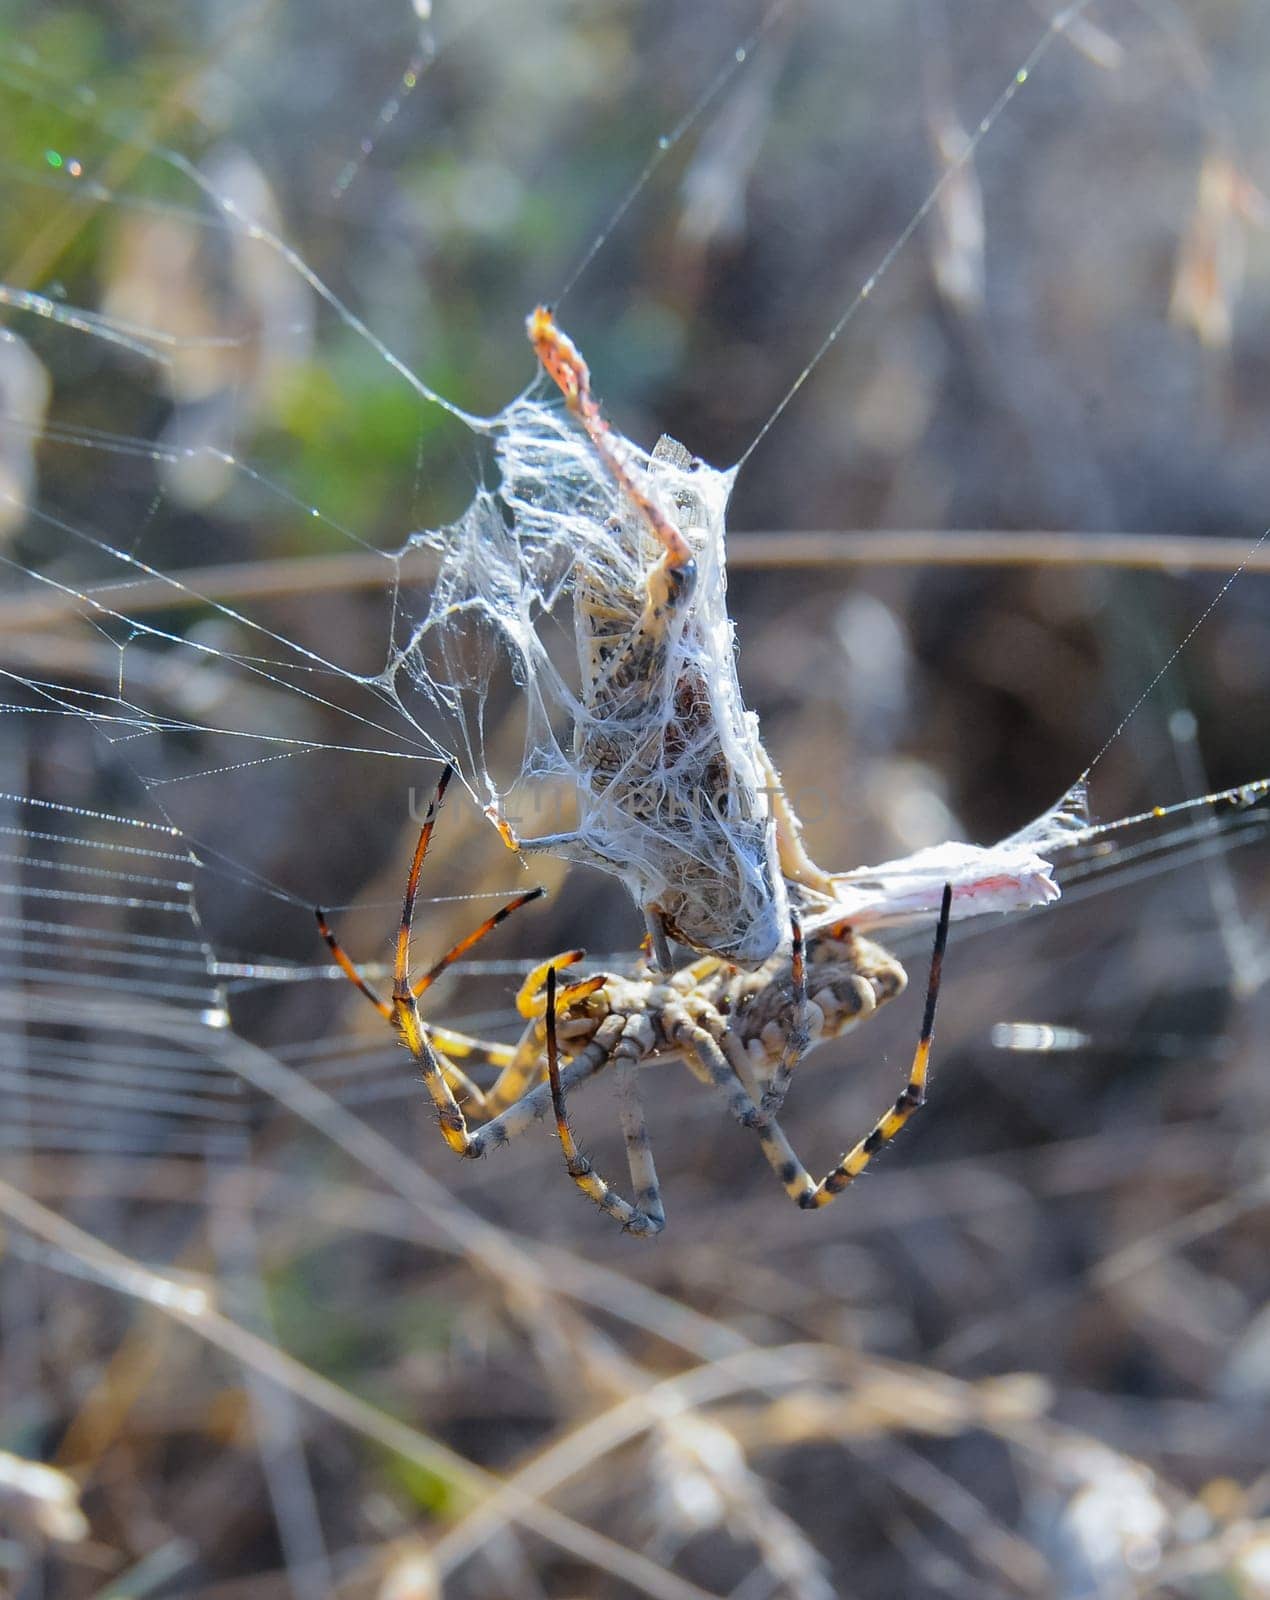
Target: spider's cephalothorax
{"points": [[739, 1032]]}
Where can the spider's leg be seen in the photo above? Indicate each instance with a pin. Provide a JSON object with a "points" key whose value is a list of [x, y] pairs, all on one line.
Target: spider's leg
{"points": [[401, 966], [463, 1045], [524, 1066], [454, 1128], [643, 1218], [710, 1061], [477, 934], [343, 961], [437, 1071], [529, 997], [405, 1008], [639, 1152], [474, 1097], [797, 1037], [346, 966], [707, 1061], [659, 942], [914, 1094], [536, 1102], [447, 1043], [521, 1074]]}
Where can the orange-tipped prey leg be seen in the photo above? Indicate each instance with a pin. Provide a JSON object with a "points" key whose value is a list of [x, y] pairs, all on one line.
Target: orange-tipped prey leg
{"points": [[564, 364]]}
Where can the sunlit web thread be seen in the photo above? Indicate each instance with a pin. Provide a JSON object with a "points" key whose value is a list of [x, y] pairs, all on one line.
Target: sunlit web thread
{"points": [[420, 62], [249, 228], [668, 141], [1243, 941], [121, 864], [129, 720], [85, 437], [137, 341], [1095, 857], [1177, 650], [231, 613], [1058, 25], [198, 854]]}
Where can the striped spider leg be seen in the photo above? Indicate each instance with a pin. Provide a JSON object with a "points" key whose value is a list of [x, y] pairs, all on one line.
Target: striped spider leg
{"points": [[433, 1048], [731, 1028], [646, 1214], [697, 1023]]}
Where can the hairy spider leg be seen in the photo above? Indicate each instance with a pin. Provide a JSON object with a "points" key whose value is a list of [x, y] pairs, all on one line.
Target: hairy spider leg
{"points": [[465, 944], [913, 1096], [451, 1039], [530, 997], [799, 1035], [646, 1216], [525, 1066], [448, 1042], [728, 1071], [405, 1007], [534, 1105], [444, 1041]]}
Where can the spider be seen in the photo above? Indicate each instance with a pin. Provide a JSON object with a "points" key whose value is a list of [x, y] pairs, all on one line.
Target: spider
{"points": [[731, 1028], [678, 795]]}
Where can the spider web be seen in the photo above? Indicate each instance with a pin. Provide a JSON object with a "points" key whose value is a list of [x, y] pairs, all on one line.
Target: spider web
{"points": [[196, 422], [262, 364]]}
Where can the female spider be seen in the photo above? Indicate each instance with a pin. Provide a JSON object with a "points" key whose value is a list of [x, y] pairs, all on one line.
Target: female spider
{"points": [[731, 1028]]}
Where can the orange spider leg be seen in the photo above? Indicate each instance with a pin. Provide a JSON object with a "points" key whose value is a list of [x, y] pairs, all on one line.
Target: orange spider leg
{"points": [[406, 1008], [463, 1045], [466, 943], [430, 1047], [524, 1069], [401, 966], [347, 968], [529, 1001], [448, 1042]]}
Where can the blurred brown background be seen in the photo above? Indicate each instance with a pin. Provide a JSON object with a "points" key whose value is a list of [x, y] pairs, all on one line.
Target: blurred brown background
{"points": [[1030, 1354]]}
